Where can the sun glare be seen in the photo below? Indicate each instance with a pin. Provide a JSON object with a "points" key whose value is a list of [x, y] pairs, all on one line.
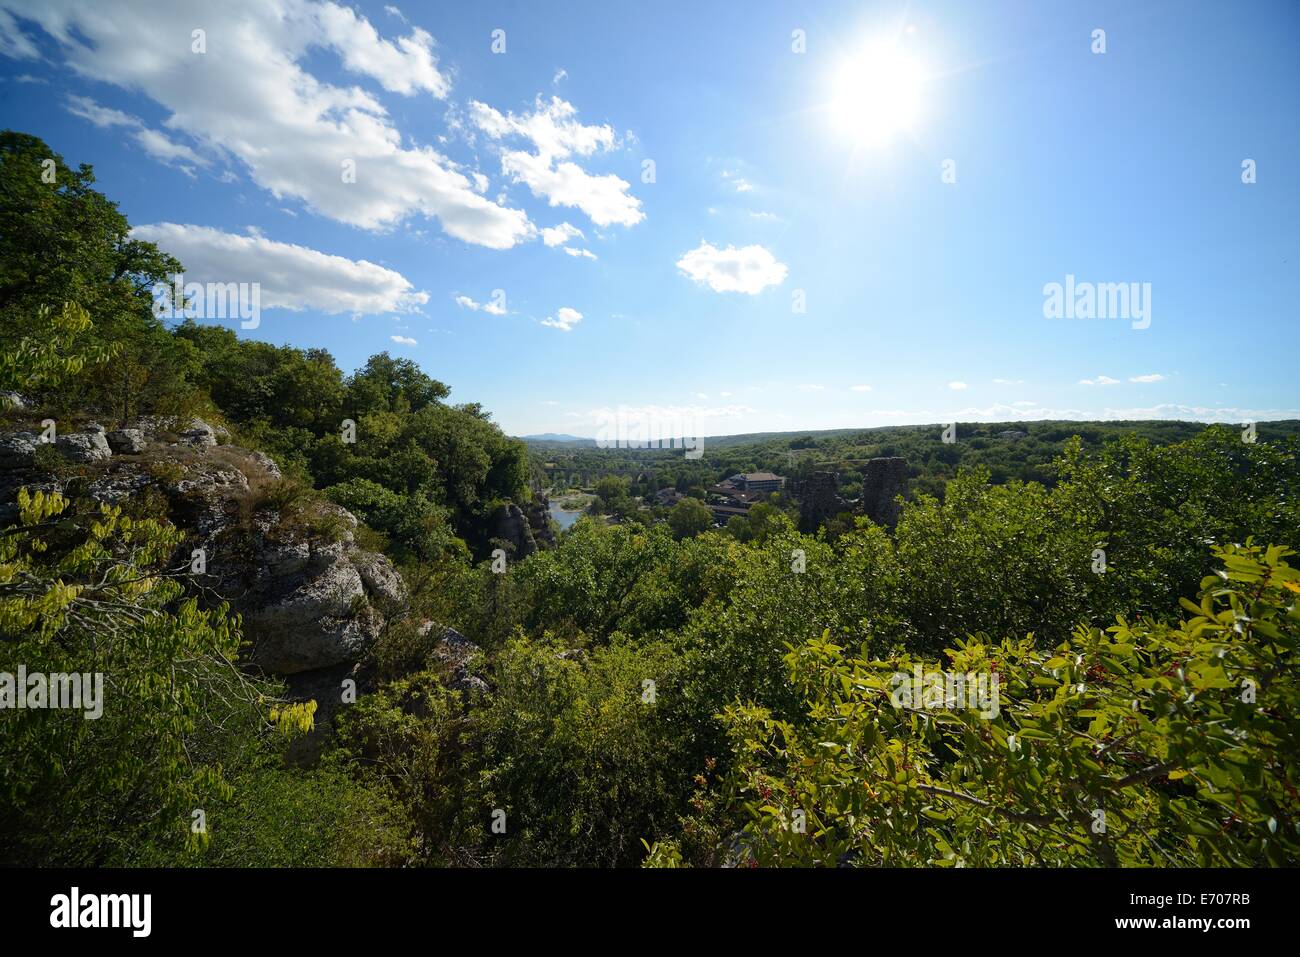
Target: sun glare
{"points": [[877, 95]]}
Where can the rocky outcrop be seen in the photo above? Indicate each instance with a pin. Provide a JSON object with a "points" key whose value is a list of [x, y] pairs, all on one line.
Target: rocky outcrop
{"points": [[18, 450], [311, 602], [883, 480], [118, 484], [538, 513], [515, 531], [198, 432], [454, 653], [126, 441], [266, 463], [86, 446], [310, 598]]}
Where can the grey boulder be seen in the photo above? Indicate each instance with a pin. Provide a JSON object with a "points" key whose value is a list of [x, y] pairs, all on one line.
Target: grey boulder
{"points": [[83, 447], [126, 441], [17, 450]]}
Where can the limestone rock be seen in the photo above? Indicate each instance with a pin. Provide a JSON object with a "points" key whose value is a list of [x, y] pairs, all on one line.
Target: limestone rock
{"points": [[331, 592], [266, 463], [84, 447], [126, 441], [198, 432], [119, 485], [310, 598], [287, 559], [296, 645], [538, 514], [380, 577], [18, 450], [455, 652], [513, 528]]}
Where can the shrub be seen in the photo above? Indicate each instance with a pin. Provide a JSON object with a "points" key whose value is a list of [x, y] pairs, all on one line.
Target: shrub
{"points": [[1144, 744]]}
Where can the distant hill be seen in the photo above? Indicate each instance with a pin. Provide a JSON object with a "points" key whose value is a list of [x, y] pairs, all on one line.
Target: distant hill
{"points": [[557, 438]]}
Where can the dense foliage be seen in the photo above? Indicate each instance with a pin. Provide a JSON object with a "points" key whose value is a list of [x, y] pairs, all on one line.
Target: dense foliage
{"points": [[1145, 744], [649, 682]]}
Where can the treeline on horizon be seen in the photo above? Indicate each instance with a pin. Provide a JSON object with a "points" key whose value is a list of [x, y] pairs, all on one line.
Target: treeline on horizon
{"points": [[931, 463], [647, 694]]}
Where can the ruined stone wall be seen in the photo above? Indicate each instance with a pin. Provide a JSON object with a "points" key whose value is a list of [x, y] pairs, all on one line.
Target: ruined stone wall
{"points": [[882, 481], [819, 500]]}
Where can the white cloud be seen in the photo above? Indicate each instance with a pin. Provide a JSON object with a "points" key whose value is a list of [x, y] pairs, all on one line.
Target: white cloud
{"points": [[1100, 380], [958, 386], [1008, 381], [406, 67], [582, 253], [101, 116], [1028, 411], [404, 340], [749, 269], [551, 126], [1202, 413], [393, 11], [564, 319], [493, 308], [556, 135], [13, 42], [156, 144], [291, 277], [860, 388], [560, 74], [166, 150], [561, 234], [744, 186], [250, 96], [1150, 377]]}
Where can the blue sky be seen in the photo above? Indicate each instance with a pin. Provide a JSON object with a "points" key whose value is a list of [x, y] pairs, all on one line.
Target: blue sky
{"points": [[779, 177]]}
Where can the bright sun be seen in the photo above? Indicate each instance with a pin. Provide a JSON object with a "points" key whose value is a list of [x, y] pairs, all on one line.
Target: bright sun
{"points": [[877, 95]]}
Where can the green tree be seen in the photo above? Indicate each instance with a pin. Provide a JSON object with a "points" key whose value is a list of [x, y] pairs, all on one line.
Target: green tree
{"points": [[689, 518], [90, 593], [1144, 744], [66, 242]]}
